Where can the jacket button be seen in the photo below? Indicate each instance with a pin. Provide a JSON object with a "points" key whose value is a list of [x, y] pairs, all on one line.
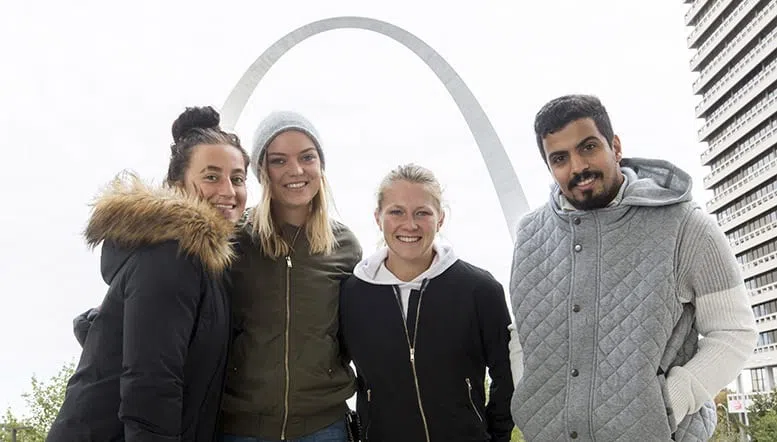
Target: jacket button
{"points": [[575, 308], [575, 372], [576, 221], [578, 247], [573, 435]]}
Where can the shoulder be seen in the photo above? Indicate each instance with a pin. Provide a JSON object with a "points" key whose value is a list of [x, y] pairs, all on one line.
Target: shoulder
{"points": [[480, 279], [347, 243], [164, 261], [535, 220]]}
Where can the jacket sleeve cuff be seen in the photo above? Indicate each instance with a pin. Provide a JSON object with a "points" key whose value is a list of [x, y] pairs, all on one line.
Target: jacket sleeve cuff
{"points": [[680, 394]]}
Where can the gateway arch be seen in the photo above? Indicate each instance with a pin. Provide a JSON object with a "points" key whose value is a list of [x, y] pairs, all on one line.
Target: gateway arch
{"points": [[505, 181]]}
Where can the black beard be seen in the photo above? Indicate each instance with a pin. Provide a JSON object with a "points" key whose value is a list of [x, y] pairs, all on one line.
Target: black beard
{"points": [[593, 202]]}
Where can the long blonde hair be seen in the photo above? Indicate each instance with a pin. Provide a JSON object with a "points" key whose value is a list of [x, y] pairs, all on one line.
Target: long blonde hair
{"points": [[266, 229]]}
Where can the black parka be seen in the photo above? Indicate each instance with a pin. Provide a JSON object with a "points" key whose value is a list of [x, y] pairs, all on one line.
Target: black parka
{"points": [[153, 359]]}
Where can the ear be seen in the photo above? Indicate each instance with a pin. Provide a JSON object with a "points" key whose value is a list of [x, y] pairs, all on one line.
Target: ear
{"points": [[441, 221], [616, 147], [377, 219]]}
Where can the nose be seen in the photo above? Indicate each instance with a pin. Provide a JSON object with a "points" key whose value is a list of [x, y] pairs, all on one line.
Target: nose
{"points": [[411, 221], [578, 163], [227, 189], [295, 167]]}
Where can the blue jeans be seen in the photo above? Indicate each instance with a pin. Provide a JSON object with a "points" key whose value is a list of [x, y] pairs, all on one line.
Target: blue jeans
{"points": [[333, 433]]}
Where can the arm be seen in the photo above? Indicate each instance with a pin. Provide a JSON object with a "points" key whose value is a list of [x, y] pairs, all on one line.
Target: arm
{"points": [[494, 319], [516, 354], [162, 292], [710, 278], [82, 323]]}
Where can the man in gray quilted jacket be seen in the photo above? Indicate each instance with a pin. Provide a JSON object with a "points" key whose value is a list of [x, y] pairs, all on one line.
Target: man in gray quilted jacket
{"points": [[613, 280]]}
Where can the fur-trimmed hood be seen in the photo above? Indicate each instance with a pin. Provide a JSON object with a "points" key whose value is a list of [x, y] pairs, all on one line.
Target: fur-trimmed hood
{"points": [[129, 214]]}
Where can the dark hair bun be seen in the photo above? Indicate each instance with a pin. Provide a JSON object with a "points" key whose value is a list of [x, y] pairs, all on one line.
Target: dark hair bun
{"points": [[195, 118]]}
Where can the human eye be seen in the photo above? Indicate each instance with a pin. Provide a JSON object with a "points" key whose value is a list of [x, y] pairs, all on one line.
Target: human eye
{"points": [[277, 161], [395, 212], [557, 159], [238, 180], [211, 178], [308, 157]]}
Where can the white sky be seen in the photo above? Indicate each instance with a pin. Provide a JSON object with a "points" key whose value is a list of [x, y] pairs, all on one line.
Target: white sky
{"points": [[91, 87]]}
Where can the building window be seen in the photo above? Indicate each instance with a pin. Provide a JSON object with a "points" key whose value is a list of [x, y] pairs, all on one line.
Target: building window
{"points": [[767, 338], [765, 309], [758, 376]]}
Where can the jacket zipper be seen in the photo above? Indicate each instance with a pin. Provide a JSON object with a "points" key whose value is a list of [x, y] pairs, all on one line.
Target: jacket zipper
{"points": [[469, 393], [411, 346], [369, 415], [286, 351]]}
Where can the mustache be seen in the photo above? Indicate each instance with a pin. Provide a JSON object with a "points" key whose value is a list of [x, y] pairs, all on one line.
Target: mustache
{"points": [[582, 177]]}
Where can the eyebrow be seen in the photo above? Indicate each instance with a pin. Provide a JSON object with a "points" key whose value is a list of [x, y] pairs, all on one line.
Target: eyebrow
{"points": [[218, 169], [281, 154], [586, 140]]}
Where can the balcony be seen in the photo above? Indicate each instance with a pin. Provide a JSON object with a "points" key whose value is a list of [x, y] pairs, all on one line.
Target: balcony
{"points": [[733, 47], [766, 323], [741, 127], [763, 294], [750, 211], [701, 23], [745, 152], [760, 265], [733, 76], [731, 21], [754, 238], [739, 99], [741, 187]]}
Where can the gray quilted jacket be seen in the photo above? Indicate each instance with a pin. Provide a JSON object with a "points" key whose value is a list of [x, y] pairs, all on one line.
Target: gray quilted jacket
{"points": [[595, 296]]}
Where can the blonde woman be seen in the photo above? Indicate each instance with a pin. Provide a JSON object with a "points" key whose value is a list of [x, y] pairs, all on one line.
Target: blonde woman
{"points": [[422, 326], [286, 379]]}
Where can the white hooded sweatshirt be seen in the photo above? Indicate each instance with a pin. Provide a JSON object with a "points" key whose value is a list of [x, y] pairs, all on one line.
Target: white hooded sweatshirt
{"points": [[374, 271]]}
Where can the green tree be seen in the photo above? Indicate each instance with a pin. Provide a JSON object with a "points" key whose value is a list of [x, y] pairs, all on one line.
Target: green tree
{"points": [[764, 429], [43, 404], [762, 414]]}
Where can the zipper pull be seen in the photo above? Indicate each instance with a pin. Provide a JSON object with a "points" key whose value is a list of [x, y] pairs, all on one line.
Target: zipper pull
{"points": [[288, 261], [469, 384], [369, 395], [412, 354]]}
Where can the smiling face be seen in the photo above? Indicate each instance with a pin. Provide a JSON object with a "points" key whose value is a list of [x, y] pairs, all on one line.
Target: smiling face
{"points": [[583, 164], [217, 173], [409, 217], [294, 170]]}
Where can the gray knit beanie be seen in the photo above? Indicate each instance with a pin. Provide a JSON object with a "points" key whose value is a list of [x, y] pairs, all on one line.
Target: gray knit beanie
{"points": [[275, 124]]}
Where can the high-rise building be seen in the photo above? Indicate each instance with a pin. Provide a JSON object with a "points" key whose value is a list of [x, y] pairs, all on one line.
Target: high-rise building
{"points": [[736, 61]]}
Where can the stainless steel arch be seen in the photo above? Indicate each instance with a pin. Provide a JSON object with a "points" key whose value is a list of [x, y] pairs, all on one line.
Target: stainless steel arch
{"points": [[503, 176]]}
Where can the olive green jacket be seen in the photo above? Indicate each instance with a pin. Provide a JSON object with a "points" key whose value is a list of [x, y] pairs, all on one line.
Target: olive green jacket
{"points": [[285, 377]]}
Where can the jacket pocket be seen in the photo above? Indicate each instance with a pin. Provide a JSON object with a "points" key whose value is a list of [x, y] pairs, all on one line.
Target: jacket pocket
{"points": [[670, 417]]}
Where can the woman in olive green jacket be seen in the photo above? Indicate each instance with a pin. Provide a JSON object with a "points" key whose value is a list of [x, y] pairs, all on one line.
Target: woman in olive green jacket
{"points": [[285, 377]]}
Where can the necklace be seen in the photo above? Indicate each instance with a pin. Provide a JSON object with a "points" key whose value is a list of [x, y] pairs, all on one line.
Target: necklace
{"points": [[291, 246]]}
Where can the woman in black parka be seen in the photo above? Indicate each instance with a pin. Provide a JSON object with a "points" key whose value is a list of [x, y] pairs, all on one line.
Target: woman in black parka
{"points": [[153, 362]]}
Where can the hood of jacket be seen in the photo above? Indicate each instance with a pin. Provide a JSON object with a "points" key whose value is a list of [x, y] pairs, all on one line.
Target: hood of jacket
{"points": [[369, 269], [129, 214], [651, 183]]}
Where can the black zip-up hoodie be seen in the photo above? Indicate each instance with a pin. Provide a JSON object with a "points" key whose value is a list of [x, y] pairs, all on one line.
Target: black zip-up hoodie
{"points": [[155, 352], [422, 378]]}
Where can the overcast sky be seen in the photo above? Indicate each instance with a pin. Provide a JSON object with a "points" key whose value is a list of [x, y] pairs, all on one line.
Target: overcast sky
{"points": [[90, 88]]}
